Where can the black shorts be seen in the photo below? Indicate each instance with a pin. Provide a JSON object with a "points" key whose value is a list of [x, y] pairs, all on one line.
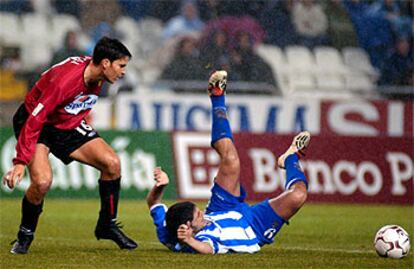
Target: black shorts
{"points": [[60, 142]]}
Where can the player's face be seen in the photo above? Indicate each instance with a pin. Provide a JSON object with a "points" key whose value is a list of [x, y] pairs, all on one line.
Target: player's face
{"points": [[115, 70], [198, 219]]}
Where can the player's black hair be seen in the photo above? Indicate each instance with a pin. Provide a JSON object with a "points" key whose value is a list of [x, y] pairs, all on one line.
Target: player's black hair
{"points": [[109, 48], [178, 214]]}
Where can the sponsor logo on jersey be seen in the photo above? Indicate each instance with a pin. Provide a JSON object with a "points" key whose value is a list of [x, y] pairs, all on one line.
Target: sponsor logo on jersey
{"points": [[81, 102]]}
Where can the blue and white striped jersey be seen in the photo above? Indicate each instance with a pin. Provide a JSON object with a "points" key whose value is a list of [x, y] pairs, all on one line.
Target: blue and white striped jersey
{"points": [[227, 232], [233, 226]]}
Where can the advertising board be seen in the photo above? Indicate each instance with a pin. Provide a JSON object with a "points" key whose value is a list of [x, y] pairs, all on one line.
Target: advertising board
{"points": [[139, 153], [339, 169]]}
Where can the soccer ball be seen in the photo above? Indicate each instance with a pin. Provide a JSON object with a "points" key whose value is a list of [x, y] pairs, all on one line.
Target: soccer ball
{"points": [[392, 241]]}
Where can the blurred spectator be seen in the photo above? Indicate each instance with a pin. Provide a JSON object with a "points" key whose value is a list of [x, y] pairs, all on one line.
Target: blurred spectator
{"points": [[16, 6], [247, 64], [164, 10], [186, 64], [136, 9], [100, 30], [187, 22], [211, 9], [374, 31], [95, 11], [341, 32], [277, 21], [42, 7], [407, 9], [390, 10], [70, 48], [10, 58], [214, 9], [399, 67], [232, 26], [68, 7], [215, 51], [253, 8], [310, 22], [240, 8]]}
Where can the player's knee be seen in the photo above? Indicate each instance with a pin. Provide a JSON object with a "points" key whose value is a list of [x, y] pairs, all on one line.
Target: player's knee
{"points": [[44, 186], [112, 166], [41, 183], [298, 195], [231, 160], [41, 180]]}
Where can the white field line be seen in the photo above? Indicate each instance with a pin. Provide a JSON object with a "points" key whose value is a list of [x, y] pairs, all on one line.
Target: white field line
{"points": [[331, 250]]}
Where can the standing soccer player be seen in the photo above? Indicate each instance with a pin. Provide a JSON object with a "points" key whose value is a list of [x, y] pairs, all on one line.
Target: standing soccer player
{"points": [[52, 120], [228, 224]]}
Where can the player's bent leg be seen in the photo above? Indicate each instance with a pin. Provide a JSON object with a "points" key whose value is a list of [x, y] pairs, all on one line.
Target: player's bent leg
{"points": [[290, 201], [32, 204], [221, 135], [100, 155], [229, 168], [40, 175]]}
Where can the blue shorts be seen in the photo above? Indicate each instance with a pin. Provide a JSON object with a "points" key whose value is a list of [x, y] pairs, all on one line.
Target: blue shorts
{"points": [[261, 217]]}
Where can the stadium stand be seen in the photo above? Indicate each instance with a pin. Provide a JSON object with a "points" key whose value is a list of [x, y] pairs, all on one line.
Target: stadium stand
{"points": [[358, 82], [61, 24], [331, 82], [358, 61], [300, 59], [329, 61], [150, 29], [38, 33], [11, 29], [276, 58]]}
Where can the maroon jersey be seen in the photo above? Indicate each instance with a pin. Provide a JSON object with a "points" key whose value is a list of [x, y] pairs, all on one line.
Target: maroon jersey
{"points": [[60, 98]]}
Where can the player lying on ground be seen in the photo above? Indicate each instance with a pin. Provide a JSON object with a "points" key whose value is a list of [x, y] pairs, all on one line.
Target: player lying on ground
{"points": [[51, 120], [228, 224]]}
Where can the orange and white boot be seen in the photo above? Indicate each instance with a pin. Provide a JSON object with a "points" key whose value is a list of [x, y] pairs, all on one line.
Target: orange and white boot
{"points": [[299, 145]]}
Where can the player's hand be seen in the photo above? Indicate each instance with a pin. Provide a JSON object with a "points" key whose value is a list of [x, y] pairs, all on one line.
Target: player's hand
{"points": [[14, 176], [160, 177], [185, 232]]}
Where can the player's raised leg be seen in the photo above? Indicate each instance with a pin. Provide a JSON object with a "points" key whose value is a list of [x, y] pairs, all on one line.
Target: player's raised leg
{"points": [[221, 135], [100, 155], [290, 201], [32, 204]]}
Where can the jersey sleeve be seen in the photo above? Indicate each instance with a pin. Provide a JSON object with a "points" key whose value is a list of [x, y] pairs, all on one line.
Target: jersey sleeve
{"points": [[158, 212], [50, 98]]}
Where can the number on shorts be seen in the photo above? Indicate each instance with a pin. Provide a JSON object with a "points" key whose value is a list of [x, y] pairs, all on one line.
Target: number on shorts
{"points": [[84, 128], [270, 233]]}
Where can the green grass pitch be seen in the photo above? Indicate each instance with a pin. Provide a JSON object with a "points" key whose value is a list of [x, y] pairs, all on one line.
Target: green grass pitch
{"points": [[319, 236]]}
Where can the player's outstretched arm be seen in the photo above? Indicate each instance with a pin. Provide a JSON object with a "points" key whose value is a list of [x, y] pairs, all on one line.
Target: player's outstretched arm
{"points": [[156, 193], [185, 235]]}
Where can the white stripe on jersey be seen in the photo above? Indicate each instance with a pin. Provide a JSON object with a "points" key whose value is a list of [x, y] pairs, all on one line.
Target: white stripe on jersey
{"points": [[241, 249], [227, 215], [229, 232]]}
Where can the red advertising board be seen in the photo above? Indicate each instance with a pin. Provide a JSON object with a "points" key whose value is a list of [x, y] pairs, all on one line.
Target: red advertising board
{"points": [[339, 168], [367, 118]]}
